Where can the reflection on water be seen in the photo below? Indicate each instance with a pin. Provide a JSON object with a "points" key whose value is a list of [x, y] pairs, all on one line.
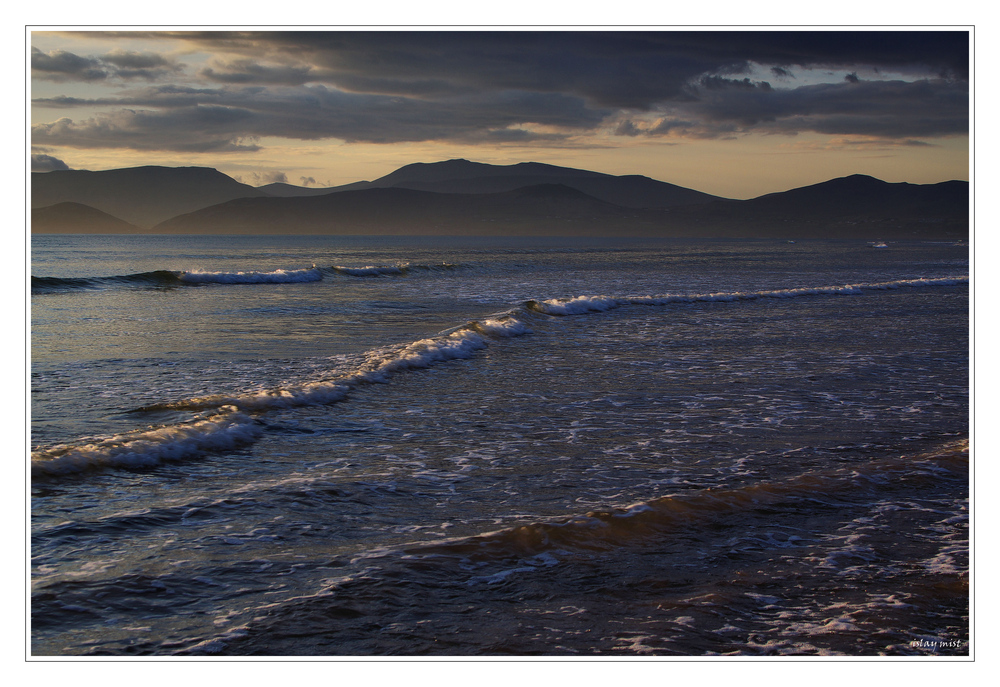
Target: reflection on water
{"points": [[416, 462]]}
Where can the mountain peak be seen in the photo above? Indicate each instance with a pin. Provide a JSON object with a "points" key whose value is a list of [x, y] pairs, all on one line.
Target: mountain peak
{"points": [[460, 168], [858, 179], [142, 196]]}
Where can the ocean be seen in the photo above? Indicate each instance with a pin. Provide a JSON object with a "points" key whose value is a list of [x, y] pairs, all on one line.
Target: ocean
{"points": [[490, 447]]}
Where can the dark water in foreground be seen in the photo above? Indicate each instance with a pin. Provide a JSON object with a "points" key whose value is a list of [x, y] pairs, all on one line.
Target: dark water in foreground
{"points": [[335, 446]]}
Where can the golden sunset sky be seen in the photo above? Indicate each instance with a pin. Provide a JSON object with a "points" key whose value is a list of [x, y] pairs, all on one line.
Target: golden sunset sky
{"points": [[733, 113]]}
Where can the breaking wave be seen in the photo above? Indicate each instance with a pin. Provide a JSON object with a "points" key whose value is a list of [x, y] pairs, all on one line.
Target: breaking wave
{"points": [[380, 365], [568, 555], [175, 278], [157, 278], [584, 304], [229, 423], [225, 430], [391, 270], [650, 520], [274, 277]]}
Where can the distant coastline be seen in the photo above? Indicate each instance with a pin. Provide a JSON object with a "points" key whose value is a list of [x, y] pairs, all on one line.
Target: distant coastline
{"points": [[462, 198]]}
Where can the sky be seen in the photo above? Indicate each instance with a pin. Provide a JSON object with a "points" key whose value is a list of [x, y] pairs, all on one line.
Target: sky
{"points": [[736, 113]]}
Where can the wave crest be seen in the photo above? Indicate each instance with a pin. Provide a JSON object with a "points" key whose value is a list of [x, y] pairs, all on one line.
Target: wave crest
{"points": [[225, 430], [390, 270], [230, 426], [156, 278], [583, 304], [274, 277]]}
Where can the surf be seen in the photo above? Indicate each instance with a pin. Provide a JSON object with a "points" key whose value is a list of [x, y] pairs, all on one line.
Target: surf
{"points": [[279, 276], [234, 415], [155, 278], [577, 305], [399, 269], [197, 277], [230, 421]]}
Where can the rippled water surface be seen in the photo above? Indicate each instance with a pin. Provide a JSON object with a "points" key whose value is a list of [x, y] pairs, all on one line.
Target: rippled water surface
{"points": [[347, 446]]}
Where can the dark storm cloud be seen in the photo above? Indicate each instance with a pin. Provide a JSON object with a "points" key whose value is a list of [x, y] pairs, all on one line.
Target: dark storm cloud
{"points": [[166, 97], [607, 69], [514, 86], [627, 128], [60, 65], [895, 109], [612, 69], [720, 82], [215, 119], [196, 129], [248, 71], [943, 53]]}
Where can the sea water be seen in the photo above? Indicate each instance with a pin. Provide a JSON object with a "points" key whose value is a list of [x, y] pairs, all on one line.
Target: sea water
{"points": [[498, 447]]}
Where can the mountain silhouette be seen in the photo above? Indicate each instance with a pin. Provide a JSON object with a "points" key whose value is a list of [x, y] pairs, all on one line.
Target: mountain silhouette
{"points": [[404, 211], [856, 206], [463, 176], [143, 196], [76, 218], [459, 197]]}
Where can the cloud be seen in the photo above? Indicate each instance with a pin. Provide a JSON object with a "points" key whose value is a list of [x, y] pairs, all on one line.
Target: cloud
{"points": [[197, 129], [719, 82], [264, 178], [60, 65], [505, 87], [627, 128], [248, 71], [613, 68], [174, 119], [133, 60], [894, 109]]}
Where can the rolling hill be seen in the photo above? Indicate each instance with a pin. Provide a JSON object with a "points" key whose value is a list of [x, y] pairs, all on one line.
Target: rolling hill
{"points": [[76, 218], [405, 211], [853, 207], [143, 196], [463, 176], [459, 197]]}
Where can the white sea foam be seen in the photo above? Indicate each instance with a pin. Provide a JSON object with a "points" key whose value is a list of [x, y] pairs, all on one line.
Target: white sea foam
{"points": [[222, 431], [387, 270], [370, 270], [578, 305], [217, 644], [458, 344], [583, 304], [230, 427], [504, 327], [316, 393], [275, 277], [424, 353]]}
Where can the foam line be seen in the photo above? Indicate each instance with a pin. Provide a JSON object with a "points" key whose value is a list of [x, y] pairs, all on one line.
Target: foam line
{"points": [[390, 270], [225, 430], [583, 304], [274, 277], [230, 426]]}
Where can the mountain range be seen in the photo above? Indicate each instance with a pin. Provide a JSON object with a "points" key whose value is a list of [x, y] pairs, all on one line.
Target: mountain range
{"points": [[459, 197]]}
